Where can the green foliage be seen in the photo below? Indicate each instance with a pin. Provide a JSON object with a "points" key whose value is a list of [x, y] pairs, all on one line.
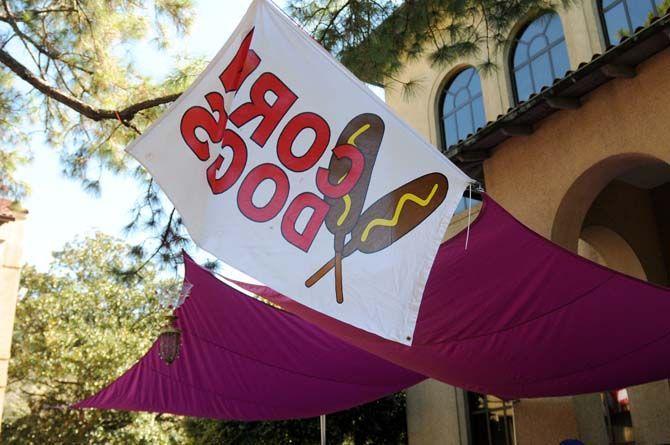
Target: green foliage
{"points": [[373, 38], [77, 57], [380, 422], [82, 48], [78, 327], [10, 185], [10, 155]]}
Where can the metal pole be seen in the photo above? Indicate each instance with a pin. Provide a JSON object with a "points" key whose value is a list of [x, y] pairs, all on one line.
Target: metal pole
{"points": [[322, 422]]}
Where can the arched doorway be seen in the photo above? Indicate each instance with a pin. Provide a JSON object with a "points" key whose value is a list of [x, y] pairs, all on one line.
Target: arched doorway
{"points": [[630, 195], [617, 214]]}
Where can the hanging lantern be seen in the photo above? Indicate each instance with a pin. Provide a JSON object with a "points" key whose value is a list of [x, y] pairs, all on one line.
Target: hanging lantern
{"points": [[169, 341]]}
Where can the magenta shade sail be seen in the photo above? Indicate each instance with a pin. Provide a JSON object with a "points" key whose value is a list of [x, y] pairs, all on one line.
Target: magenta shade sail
{"points": [[517, 316], [244, 360]]}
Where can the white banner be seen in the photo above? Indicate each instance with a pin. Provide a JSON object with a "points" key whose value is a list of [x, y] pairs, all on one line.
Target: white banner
{"points": [[285, 166]]}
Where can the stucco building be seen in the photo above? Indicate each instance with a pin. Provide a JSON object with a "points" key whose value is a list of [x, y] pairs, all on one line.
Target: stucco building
{"points": [[571, 134], [11, 240]]}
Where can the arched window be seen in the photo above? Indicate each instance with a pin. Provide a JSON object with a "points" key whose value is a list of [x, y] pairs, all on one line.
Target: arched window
{"points": [[539, 56], [462, 107], [621, 17]]}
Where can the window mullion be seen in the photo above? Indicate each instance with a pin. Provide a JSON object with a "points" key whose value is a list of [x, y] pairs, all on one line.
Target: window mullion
{"points": [[628, 19], [459, 131]]}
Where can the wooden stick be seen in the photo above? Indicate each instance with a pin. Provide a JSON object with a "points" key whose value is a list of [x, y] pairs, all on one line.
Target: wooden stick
{"points": [[338, 278], [311, 281]]}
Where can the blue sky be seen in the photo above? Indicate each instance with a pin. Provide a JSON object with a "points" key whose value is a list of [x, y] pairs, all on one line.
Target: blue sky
{"points": [[59, 209]]}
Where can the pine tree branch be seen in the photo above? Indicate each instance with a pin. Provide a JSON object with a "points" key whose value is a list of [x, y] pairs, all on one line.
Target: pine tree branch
{"points": [[330, 24], [164, 242], [12, 21], [38, 12], [81, 107]]}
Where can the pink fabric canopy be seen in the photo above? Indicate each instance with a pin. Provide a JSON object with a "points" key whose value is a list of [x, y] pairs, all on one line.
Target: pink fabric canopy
{"points": [[517, 316], [244, 360], [513, 315]]}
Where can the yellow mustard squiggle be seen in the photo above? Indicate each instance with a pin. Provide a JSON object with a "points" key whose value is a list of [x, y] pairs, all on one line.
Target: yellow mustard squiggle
{"points": [[347, 198], [347, 207], [396, 216], [360, 131]]}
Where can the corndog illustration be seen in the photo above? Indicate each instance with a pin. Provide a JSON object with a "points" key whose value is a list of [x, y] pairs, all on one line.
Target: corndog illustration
{"points": [[365, 132], [391, 217]]}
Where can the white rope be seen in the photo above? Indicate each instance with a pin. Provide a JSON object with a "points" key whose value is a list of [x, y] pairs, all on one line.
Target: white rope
{"points": [[467, 234]]}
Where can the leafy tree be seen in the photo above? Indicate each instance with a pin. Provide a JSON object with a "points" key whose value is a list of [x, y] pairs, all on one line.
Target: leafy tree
{"points": [[85, 96], [381, 422], [91, 102], [79, 326]]}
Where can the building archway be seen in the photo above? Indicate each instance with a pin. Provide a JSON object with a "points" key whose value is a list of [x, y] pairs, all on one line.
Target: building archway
{"points": [[616, 213], [626, 174]]}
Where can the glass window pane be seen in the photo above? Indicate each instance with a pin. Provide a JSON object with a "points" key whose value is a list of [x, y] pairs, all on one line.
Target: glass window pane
{"points": [[450, 130], [537, 45], [448, 105], [617, 25], [464, 122], [542, 73], [524, 85], [460, 80], [463, 108], [559, 57], [555, 29], [535, 28], [640, 11], [544, 36], [520, 53], [475, 84], [462, 97]]}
